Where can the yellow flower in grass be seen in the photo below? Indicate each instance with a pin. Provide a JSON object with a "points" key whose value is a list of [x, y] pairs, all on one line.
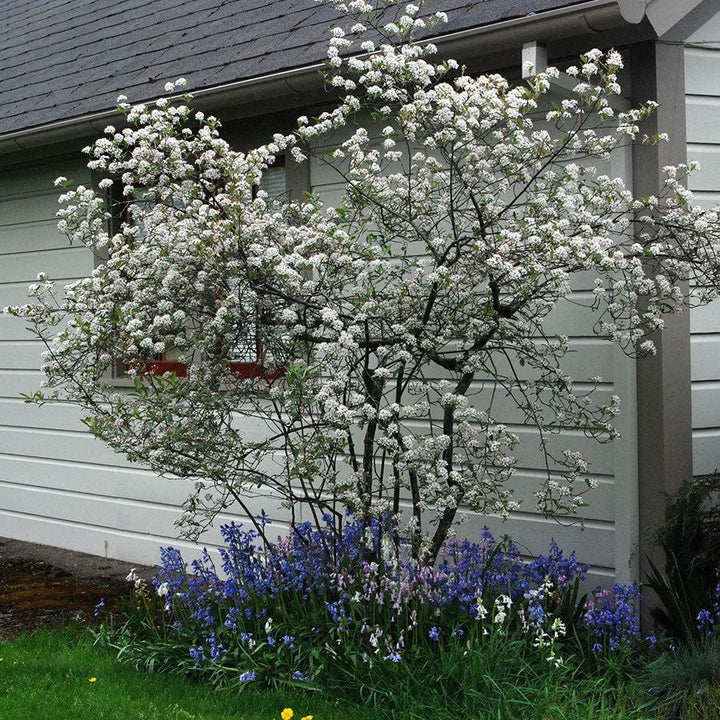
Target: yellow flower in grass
{"points": [[287, 714], [307, 717], [92, 680]]}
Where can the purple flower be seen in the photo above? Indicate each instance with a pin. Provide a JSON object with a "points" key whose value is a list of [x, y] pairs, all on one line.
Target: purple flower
{"points": [[231, 619], [705, 622], [613, 616], [99, 607], [248, 676], [434, 634], [297, 675], [197, 654]]}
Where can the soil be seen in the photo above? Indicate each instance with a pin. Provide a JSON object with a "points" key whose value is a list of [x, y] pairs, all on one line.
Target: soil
{"points": [[42, 586]]}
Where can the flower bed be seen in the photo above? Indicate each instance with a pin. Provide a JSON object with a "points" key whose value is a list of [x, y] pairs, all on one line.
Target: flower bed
{"points": [[316, 604]]}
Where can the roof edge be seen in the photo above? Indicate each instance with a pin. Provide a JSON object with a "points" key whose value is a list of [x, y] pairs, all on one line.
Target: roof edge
{"points": [[591, 17], [663, 15]]}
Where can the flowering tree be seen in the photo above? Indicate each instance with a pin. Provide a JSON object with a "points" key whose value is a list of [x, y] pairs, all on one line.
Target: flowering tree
{"points": [[382, 321]]}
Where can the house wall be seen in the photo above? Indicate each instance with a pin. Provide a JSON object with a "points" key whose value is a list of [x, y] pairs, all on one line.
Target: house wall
{"points": [[610, 535], [60, 486], [702, 83]]}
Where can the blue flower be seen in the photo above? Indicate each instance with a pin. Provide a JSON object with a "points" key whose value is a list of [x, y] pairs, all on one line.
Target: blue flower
{"points": [[297, 675], [705, 622], [99, 607], [336, 610], [248, 676], [231, 619], [613, 616], [197, 654], [434, 634]]}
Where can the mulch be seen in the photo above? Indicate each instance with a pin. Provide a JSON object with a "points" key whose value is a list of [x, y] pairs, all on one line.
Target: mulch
{"points": [[44, 587]]}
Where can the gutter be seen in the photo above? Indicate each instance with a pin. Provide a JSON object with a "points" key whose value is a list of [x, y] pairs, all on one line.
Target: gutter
{"points": [[587, 18]]}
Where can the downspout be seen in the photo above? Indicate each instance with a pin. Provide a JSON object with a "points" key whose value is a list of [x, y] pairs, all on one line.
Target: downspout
{"points": [[582, 19]]}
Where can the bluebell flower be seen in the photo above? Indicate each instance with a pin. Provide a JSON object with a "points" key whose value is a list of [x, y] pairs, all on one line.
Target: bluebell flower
{"points": [[232, 618], [336, 610], [613, 616], [344, 568], [197, 654], [248, 676], [705, 622], [99, 607], [297, 675]]}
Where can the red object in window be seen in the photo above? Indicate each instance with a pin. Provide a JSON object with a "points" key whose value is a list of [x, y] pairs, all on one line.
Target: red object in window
{"points": [[247, 370], [160, 367], [244, 370]]}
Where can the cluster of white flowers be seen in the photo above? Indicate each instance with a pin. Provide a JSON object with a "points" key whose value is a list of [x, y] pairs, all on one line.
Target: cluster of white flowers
{"points": [[396, 328]]}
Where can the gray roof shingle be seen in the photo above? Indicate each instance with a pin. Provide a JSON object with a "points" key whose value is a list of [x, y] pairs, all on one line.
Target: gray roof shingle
{"points": [[61, 59]]}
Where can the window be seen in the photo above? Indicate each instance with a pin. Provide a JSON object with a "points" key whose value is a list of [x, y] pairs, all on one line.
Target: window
{"points": [[246, 359]]}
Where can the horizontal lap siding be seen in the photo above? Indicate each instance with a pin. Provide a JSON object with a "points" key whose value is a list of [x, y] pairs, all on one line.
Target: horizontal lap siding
{"points": [[608, 540], [59, 485], [702, 83]]}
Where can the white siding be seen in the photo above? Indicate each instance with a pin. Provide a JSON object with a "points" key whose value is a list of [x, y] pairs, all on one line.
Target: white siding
{"points": [[59, 485], [609, 539], [702, 85]]}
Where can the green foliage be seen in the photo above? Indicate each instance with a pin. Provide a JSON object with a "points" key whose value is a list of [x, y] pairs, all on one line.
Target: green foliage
{"points": [[47, 675], [686, 682], [690, 538]]}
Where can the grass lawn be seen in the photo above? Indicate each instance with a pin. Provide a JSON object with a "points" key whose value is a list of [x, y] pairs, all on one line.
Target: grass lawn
{"points": [[46, 676]]}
